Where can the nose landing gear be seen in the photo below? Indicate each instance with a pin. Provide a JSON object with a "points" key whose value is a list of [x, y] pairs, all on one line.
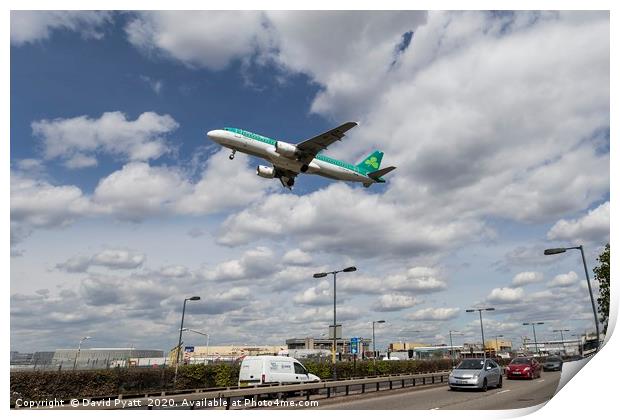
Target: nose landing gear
{"points": [[232, 155]]}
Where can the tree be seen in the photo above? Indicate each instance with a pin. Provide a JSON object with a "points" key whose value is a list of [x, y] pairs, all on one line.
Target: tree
{"points": [[601, 273]]}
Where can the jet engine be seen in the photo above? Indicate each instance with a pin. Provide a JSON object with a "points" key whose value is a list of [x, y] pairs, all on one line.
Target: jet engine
{"points": [[286, 149], [265, 171]]}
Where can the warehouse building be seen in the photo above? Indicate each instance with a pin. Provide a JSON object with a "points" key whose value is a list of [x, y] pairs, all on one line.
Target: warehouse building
{"points": [[99, 358]]}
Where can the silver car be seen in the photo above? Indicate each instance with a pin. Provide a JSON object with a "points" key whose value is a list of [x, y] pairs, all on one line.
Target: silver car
{"points": [[476, 373]]}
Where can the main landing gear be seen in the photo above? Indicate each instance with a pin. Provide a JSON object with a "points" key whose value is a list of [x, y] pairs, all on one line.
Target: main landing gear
{"points": [[232, 155]]}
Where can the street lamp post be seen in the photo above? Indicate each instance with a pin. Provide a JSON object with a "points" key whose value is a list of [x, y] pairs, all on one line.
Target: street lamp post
{"points": [[562, 331], [77, 354], [374, 350], [318, 276], [553, 251], [176, 368], [452, 346], [496, 345], [533, 324], [484, 350]]}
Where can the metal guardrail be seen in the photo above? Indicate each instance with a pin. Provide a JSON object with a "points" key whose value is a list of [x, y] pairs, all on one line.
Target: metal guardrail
{"points": [[172, 399]]}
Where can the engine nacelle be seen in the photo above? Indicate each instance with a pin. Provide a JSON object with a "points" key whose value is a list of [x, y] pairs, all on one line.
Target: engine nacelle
{"points": [[286, 149], [265, 171]]}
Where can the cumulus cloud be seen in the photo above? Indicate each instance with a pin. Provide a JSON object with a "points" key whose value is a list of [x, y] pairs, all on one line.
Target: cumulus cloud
{"points": [[198, 38], [318, 295], [297, 257], [394, 302], [253, 264], [76, 140], [114, 259], [505, 295], [592, 227], [434, 314], [564, 280], [527, 277], [31, 26], [417, 279]]}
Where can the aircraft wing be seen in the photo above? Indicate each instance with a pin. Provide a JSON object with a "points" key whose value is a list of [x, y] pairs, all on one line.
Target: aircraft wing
{"points": [[313, 146]]}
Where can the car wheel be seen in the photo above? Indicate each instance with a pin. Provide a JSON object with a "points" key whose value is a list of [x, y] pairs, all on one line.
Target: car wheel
{"points": [[500, 384], [485, 386], [452, 388]]}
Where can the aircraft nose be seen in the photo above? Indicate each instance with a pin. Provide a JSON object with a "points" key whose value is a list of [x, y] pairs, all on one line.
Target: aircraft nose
{"points": [[213, 134]]}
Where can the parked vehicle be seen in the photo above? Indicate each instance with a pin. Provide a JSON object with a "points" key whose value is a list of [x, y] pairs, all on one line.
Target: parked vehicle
{"points": [[259, 370], [476, 373], [552, 363], [523, 367]]}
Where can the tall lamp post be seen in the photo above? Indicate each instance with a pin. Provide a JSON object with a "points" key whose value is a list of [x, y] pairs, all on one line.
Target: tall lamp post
{"points": [[321, 275], [176, 368], [452, 346], [533, 324], [562, 331], [496, 345], [553, 251], [374, 350], [484, 350], [77, 354]]}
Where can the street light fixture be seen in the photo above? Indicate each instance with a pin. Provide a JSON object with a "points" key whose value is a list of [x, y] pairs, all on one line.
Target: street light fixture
{"points": [[562, 331], [321, 275], [374, 350], [484, 349], [201, 333], [553, 251], [533, 324], [77, 354], [176, 369]]}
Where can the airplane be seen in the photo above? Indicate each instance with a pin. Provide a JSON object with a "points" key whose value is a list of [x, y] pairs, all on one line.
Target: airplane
{"points": [[289, 160]]}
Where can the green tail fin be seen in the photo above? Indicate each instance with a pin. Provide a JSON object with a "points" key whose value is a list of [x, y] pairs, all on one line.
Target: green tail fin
{"points": [[372, 162]]}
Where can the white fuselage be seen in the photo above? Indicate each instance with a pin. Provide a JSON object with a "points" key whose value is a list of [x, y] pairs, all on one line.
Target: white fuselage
{"points": [[241, 143]]}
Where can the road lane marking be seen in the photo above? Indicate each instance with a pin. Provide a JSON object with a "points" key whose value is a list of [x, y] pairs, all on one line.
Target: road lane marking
{"points": [[542, 380], [506, 390]]}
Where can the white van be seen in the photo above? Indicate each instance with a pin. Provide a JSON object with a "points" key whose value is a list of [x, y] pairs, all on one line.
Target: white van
{"points": [[258, 370]]}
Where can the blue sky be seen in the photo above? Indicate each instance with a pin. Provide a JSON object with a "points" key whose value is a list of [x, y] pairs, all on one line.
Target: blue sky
{"points": [[121, 207]]}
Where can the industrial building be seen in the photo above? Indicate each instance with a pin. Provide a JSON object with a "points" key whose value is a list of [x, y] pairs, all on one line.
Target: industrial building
{"points": [[343, 346], [100, 358]]}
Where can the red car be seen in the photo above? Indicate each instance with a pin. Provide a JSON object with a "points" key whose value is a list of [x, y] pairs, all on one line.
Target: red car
{"points": [[523, 367]]}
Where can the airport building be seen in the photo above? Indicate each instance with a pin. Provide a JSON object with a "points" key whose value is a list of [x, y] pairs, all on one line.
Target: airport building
{"points": [[343, 346]]}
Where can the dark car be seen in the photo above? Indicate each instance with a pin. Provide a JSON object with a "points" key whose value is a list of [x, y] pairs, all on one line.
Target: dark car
{"points": [[553, 363], [523, 367]]}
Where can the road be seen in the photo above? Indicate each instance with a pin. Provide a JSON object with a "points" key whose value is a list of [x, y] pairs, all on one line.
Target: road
{"points": [[514, 394]]}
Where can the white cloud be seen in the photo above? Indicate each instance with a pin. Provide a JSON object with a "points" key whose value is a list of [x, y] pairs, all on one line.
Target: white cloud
{"points": [[394, 302], [139, 190], [252, 265], [527, 277], [155, 84], [434, 314], [297, 257], [417, 279], [318, 295], [224, 185], [36, 203], [209, 39], [506, 295], [592, 227], [564, 280], [76, 140], [114, 259], [32, 26]]}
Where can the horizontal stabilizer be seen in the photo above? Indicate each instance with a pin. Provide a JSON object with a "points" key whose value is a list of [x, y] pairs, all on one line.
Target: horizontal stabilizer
{"points": [[378, 174]]}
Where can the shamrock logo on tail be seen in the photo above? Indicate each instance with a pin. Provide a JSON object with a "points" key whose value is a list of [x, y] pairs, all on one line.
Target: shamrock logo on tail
{"points": [[372, 162]]}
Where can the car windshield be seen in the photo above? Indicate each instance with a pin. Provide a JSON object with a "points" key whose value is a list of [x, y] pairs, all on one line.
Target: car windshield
{"points": [[554, 359], [471, 364], [520, 361]]}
